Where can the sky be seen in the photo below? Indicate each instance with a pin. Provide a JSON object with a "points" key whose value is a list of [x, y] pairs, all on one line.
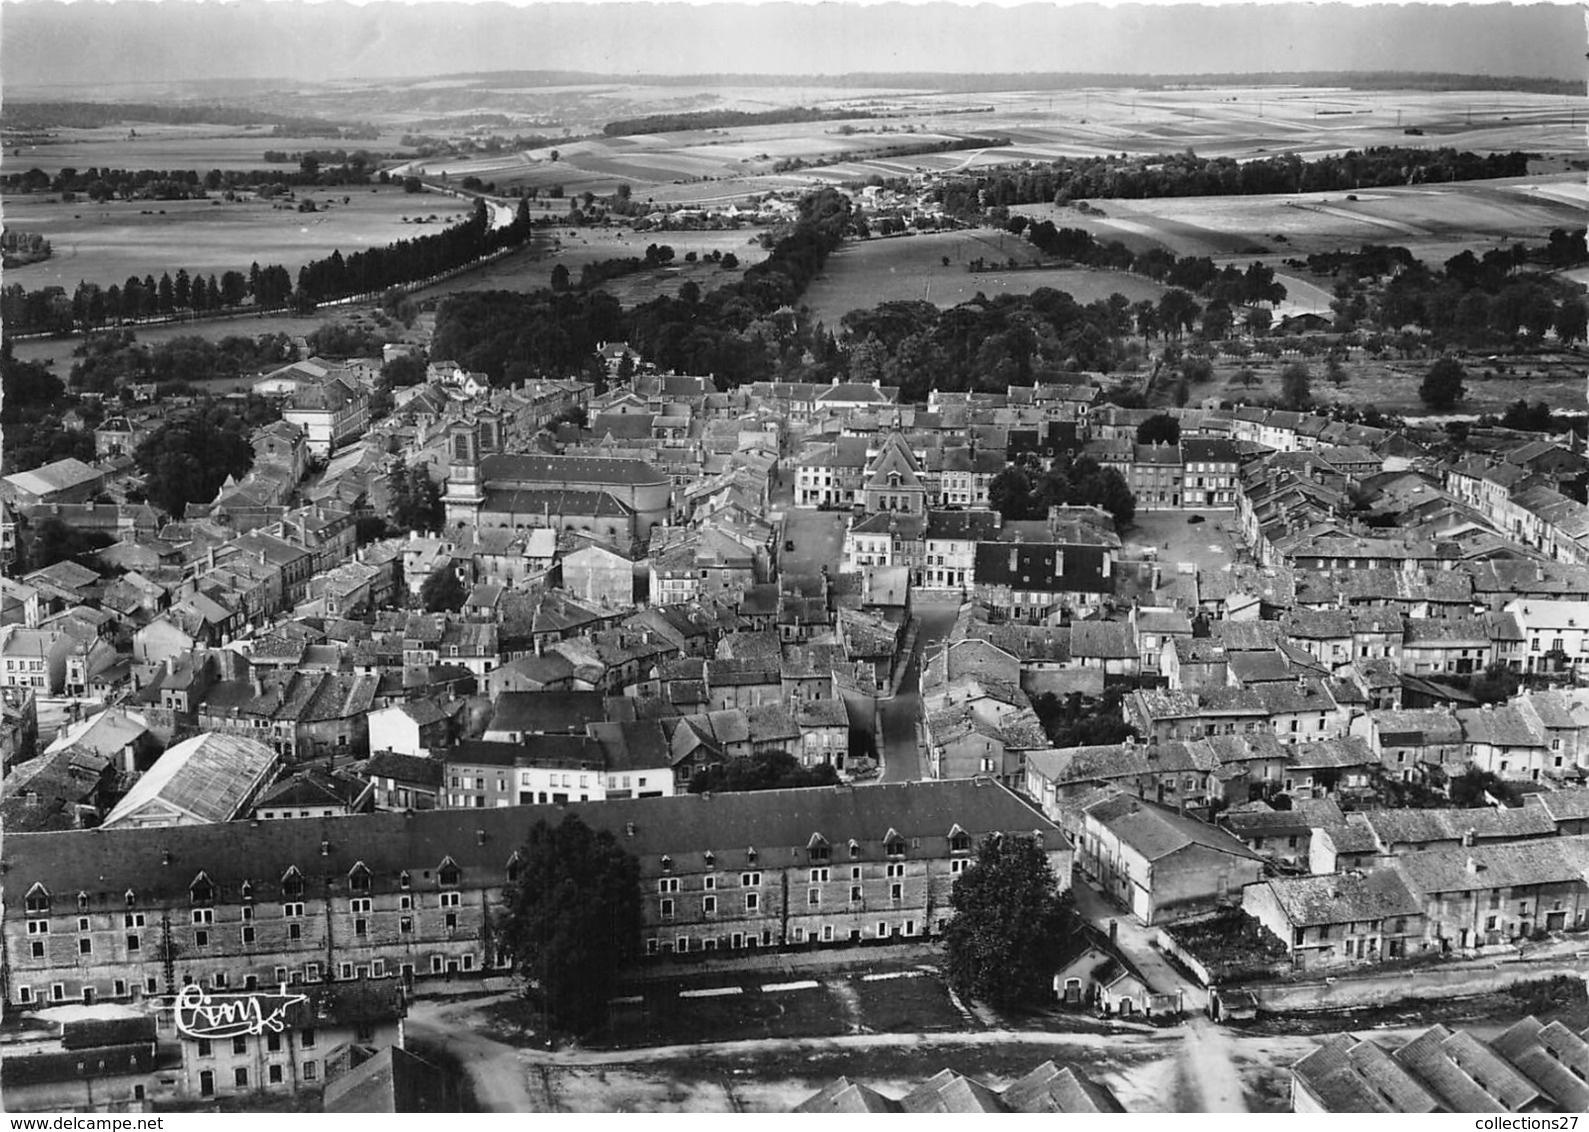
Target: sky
{"points": [[94, 42]]}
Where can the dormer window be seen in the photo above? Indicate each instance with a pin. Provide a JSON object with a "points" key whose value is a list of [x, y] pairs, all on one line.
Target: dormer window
{"points": [[131, 897], [515, 867], [710, 859], [893, 844], [667, 863], [292, 883], [818, 849], [201, 892], [246, 890], [750, 856], [82, 901], [448, 874], [404, 880], [38, 899], [959, 840], [855, 848], [359, 878]]}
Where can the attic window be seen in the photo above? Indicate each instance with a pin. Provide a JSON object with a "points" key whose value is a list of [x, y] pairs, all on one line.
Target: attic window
{"points": [[818, 848], [959, 840], [750, 856], [201, 891], [246, 890], [893, 844], [403, 879], [667, 863], [515, 866], [131, 897], [855, 848], [38, 899], [448, 875], [711, 859], [292, 883], [359, 878], [82, 901]]}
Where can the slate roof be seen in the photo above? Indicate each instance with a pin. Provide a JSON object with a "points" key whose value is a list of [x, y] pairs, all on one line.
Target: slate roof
{"points": [[533, 469], [779, 824], [1464, 1073], [547, 711], [846, 1096], [1155, 832], [1348, 1074], [414, 769], [1553, 1056]]}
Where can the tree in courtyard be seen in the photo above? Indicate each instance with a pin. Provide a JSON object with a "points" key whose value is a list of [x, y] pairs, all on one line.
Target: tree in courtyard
{"points": [[442, 591], [1009, 921], [1296, 385], [571, 919], [1443, 385], [1010, 494], [1160, 429]]}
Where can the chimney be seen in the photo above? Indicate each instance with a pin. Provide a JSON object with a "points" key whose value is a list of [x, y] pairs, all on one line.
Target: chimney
{"points": [[479, 837], [1114, 931], [325, 847], [1467, 840], [1015, 556]]}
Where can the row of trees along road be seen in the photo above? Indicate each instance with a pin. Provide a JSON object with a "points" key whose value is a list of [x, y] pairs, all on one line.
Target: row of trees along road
{"points": [[572, 919], [362, 274]]}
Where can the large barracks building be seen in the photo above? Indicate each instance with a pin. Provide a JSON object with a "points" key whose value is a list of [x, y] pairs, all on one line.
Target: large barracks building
{"points": [[124, 914]]}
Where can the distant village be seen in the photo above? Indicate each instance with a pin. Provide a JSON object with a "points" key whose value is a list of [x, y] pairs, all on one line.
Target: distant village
{"points": [[1344, 704]]}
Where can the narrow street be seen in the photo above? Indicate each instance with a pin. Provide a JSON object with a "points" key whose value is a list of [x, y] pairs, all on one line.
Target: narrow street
{"points": [[898, 717]]}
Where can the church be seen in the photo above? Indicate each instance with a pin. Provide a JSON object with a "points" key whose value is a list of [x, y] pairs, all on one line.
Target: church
{"points": [[615, 500]]}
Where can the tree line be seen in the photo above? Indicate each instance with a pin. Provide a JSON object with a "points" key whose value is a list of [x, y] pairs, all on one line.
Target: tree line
{"points": [[100, 184], [93, 115], [1187, 175], [50, 310], [721, 119]]}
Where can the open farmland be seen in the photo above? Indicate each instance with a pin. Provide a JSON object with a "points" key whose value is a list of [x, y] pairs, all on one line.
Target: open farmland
{"points": [[1239, 122], [105, 243], [160, 146], [865, 273], [1434, 221]]}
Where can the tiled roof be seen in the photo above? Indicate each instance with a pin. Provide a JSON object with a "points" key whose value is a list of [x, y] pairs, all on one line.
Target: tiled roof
{"points": [[1339, 898]]}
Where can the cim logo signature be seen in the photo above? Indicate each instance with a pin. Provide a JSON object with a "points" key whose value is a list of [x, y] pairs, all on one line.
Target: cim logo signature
{"points": [[203, 1015]]}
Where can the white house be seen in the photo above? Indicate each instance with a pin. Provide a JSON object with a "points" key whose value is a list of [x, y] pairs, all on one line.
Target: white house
{"points": [[414, 728], [1555, 633]]}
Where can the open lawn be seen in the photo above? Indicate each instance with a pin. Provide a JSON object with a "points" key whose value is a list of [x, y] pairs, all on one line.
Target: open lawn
{"points": [[867, 272], [105, 243]]}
